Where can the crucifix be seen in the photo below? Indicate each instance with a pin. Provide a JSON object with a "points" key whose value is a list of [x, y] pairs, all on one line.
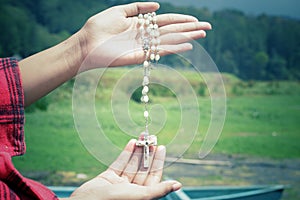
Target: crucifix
{"points": [[149, 33], [146, 142]]}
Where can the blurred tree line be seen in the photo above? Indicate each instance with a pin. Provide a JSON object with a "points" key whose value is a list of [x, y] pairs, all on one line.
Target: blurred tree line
{"points": [[251, 47]]}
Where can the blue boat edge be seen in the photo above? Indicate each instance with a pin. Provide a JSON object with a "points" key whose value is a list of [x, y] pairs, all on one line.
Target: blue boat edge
{"points": [[255, 192]]}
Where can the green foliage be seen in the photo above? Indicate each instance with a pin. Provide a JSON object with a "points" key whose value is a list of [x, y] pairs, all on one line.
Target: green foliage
{"points": [[258, 48], [161, 91], [41, 105], [256, 124], [278, 67], [136, 95], [201, 89], [263, 121], [31, 26]]}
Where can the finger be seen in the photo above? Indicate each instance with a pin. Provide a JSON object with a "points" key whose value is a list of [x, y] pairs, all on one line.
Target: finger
{"points": [[166, 19], [184, 27], [162, 189], [156, 170], [178, 38], [133, 165], [132, 191], [109, 177], [174, 49], [139, 56], [121, 162], [134, 9], [143, 172]]}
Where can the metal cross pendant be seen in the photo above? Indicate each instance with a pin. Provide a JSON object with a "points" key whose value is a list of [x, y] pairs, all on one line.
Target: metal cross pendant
{"points": [[145, 142]]}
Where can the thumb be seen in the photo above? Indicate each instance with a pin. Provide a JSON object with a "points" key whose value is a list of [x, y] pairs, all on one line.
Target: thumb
{"points": [[163, 188], [139, 7]]}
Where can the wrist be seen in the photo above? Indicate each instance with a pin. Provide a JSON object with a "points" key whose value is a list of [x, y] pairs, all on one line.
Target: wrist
{"points": [[76, 52]]}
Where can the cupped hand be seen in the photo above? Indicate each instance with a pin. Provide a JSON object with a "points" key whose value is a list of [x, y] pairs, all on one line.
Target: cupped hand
{"points": [[127, 179], [110, 38]]}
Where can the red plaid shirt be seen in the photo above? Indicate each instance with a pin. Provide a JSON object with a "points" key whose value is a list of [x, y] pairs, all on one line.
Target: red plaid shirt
{"points": [[12, 184]]}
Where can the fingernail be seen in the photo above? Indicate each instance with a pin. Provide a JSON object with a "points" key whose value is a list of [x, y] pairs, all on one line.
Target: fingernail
{"points": [[161, 148], [195, 19], [176, 186], [190, 46]]}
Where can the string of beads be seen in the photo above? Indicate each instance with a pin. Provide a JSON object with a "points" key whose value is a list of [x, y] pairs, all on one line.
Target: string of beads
{"points": [[149, 32]]}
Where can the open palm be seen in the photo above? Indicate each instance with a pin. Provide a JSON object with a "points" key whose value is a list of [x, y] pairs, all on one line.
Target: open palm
{"points": [[127, 179], [110, 38]]}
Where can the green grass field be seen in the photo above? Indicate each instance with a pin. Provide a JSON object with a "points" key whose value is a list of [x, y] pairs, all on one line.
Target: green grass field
{"points": [[262, 120]]}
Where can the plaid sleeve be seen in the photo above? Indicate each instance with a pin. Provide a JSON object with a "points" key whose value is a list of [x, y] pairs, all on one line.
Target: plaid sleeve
{"points": [[13, 186], [11, 108]]}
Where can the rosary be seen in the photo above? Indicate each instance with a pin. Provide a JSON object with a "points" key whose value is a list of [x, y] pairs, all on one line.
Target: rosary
{"points": [[148, 30]]}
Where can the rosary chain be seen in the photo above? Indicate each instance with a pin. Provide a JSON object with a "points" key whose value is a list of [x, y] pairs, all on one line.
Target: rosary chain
{"points": [[149, 35]]}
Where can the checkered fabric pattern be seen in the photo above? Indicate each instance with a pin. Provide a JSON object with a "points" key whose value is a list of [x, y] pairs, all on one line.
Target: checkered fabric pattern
{"points": [[13, 186]]}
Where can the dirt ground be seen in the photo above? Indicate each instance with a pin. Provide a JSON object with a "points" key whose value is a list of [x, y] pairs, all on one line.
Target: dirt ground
{"points": [[238, 170]]}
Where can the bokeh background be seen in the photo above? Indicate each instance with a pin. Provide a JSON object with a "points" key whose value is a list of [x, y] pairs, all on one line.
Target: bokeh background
{"points": [[256, 47]]}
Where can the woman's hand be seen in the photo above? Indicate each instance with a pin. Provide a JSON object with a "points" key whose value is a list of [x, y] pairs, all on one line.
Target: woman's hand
{"points": [[127, 179], [111, 38]]}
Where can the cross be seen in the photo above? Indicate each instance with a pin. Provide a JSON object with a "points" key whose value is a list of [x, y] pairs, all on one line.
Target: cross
{"points": [[146, 141]]}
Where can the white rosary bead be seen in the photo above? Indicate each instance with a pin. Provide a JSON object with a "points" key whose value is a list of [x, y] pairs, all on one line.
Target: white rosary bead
{"points": [[146, 99], [143, 93], [157, 57], [155, 26], [141, 21], [147, 22], [142, 99], [146, 63], [140, 16], [146, 16], [146, 114], [152, 56], [145, 90], [154, 19]]}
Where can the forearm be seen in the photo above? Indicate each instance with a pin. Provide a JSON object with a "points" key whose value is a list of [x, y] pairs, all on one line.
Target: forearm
{"points": [[43, 72]]}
